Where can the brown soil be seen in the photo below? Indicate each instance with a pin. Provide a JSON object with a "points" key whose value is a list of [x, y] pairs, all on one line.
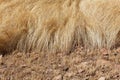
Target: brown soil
{"points": [[79, 65]]}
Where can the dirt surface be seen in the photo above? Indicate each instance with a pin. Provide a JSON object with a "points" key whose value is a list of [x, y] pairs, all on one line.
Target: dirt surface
{"points": [[78, 65]]}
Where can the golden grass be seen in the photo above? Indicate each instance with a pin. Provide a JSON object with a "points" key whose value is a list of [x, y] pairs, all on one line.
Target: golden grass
{"points": [[58, 25]]}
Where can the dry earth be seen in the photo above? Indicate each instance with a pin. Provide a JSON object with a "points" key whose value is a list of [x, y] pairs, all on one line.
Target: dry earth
{"points": [[78, 65]]}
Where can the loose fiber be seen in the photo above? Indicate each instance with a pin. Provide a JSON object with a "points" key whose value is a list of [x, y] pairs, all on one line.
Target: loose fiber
{"points": [[58, 25]]}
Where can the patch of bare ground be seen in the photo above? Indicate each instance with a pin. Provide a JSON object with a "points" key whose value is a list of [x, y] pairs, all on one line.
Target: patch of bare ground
{"points": [[79, 65]]}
